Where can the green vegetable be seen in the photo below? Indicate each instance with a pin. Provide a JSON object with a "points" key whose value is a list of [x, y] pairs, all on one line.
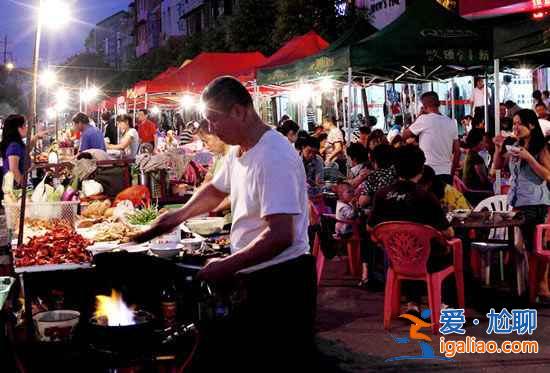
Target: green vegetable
{"points": [[143, 216]]}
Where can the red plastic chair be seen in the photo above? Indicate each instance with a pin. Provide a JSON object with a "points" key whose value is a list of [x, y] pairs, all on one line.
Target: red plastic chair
{"points": [[540, 255], [353, 245], [408, 248], [315, 219]]}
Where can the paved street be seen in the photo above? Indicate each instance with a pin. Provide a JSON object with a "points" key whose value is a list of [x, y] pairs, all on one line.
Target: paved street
{"points": [[352, 339]]}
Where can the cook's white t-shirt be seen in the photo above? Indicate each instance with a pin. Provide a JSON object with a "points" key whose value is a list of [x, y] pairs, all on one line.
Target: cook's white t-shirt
{"points": [[437, 133], [268, 179]]}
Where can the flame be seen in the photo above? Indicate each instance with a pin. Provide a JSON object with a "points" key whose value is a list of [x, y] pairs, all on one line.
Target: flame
{"points": [[114, 310]]}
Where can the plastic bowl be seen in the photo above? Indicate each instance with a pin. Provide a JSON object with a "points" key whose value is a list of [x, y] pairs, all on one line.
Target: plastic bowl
{"points": [[206, 226], [192, 243], [56, 326], [166, 250]]}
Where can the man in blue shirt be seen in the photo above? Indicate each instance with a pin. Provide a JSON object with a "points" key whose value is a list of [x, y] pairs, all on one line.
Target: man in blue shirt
{"points": [[90, 137]]}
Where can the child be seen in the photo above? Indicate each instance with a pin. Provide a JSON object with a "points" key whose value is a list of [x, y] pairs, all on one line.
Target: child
{"points": [[345, 210]]}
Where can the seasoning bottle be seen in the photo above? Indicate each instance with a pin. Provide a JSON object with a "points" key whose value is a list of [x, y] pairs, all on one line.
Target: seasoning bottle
{"points": [[168, 305], [189, 298]]}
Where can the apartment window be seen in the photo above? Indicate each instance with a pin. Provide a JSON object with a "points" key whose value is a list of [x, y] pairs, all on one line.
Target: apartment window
{"points": [[118, 42], [228, 7], [106, 46], [181, 25], [215, 9]]}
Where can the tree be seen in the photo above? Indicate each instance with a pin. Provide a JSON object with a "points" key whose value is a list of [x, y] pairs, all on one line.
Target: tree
{"points": [[257, 25], [251, 27], [12, 99]]}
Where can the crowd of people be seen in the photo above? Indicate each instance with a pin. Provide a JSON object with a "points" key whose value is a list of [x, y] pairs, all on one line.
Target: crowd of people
{"points": [[420, 172], [416, 172]]}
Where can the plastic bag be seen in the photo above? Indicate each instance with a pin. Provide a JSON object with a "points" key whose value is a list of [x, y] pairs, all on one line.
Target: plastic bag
{"points": [[122, 209], [91, 188]]}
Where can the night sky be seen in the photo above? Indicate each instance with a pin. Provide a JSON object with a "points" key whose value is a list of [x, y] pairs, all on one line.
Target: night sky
{"points": [[18, 21]]}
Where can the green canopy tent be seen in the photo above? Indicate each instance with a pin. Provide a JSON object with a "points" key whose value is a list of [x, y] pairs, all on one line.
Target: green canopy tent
{"points": [[333, 61], [427, 42], [522, 43], [518, 44], [438, 43]]}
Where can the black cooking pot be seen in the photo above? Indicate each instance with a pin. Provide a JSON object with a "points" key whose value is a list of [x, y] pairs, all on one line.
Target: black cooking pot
{"points": [[123, 339]]}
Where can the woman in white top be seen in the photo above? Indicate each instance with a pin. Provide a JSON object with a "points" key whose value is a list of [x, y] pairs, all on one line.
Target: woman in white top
{"points": [[129, 143]]}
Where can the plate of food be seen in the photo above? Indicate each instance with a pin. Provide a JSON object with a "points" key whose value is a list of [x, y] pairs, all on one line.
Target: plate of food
{"points": [[103, 247], [134, 248]]}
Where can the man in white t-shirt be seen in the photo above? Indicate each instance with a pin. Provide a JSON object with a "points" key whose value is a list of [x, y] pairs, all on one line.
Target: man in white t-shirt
{"points": [[265, 179], [478, 98], [438, 138]]}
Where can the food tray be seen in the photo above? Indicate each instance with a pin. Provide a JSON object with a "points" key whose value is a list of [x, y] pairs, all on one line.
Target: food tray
{"points": [[53, 267], [65, 212]]}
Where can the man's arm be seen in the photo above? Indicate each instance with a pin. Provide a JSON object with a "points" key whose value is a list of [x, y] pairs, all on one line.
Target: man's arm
{"points": [[337, 150], [272, 241], [408, 134], [203, 201], [223, 206]]}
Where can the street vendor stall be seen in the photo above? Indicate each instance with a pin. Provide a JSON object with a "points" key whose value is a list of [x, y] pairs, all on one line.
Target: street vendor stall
{"points": [[426, 43]]}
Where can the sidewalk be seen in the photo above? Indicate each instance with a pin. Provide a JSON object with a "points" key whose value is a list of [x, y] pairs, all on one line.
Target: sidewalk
{"points": [[351, 336]]}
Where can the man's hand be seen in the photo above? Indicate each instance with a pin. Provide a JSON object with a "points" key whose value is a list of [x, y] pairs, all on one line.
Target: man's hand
{"points": [[215, 270], [164, 224]]}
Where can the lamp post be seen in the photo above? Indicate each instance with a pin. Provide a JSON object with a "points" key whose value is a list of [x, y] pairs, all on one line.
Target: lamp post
{"points": [[55, 13]]}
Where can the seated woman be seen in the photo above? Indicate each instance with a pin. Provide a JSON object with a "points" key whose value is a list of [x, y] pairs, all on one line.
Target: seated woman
{"points": [[475, 173], [359, 157], [450, 198], [376, 138], [129, 143]]}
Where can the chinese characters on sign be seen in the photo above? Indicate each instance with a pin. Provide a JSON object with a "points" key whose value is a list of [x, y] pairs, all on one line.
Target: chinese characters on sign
{"points": [[457, 55], [504, 322]]}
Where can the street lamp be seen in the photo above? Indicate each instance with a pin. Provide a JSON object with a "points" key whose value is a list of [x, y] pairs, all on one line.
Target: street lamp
{"points": [[89, 94], [55, 13], [51, 113], [61, 99], [10, 66], [47, 78], [52, 13], [187, 101]]}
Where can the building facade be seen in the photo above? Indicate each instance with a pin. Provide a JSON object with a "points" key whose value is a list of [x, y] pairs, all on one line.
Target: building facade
{"points": [[172, 24], [112, 38], [147, 29], [199, 15]]}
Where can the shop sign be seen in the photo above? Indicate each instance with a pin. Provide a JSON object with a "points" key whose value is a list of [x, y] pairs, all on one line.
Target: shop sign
{"points": [[384, 12], [460, 55], [321, 64], [448, 33]]}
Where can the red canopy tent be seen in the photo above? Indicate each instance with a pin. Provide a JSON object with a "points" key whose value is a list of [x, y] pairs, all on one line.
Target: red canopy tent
{"points": [[297, 48], [207, 66], [141, 87]]}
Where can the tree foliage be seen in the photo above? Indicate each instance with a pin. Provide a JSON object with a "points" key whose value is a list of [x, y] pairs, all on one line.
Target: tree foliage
{"points": [[257, 25]]}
